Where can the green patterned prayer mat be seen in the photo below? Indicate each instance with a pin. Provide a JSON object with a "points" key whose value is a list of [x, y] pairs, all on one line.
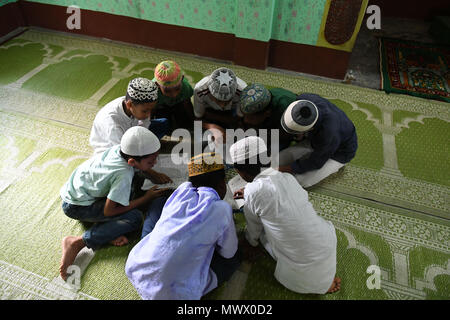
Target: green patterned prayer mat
{"points": [[390, 205], [414, 68]]}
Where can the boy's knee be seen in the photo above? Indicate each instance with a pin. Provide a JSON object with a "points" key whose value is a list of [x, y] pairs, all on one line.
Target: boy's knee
{"points": [[69, 210], [134, 218]]}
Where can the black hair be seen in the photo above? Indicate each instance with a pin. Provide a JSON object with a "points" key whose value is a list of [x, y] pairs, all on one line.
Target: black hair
{"points": [[251, 169], [251, 166], [210, 179], [137, 158], [134, 101]]}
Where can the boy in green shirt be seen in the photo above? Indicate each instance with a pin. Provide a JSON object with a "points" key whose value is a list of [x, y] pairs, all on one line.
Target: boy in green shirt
{"points": [[263, 109], [174, 96]]}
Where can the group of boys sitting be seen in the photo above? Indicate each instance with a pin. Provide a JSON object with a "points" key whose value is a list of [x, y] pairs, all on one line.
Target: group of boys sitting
{"points": [[189, 244]]}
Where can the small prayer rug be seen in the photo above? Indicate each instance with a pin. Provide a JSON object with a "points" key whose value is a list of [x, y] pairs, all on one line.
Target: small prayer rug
{"points": [[415, 68]]}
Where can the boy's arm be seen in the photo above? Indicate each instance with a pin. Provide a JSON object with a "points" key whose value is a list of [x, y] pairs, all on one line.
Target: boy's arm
{"points": [[113, 208], [254, 226], [199, 106], [227, 244], [324, 145], [189, 108]]}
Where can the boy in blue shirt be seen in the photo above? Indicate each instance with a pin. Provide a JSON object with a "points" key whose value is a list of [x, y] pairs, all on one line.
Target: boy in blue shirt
{"points": [[194, 247], [99, 191]]}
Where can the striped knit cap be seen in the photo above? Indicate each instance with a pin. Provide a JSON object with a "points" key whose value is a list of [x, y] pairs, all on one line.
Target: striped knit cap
{"points": [[168, 74]]}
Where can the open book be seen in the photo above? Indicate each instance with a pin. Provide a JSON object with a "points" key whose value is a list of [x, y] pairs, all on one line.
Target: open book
{"points": [[234, 185], [180, 174]]}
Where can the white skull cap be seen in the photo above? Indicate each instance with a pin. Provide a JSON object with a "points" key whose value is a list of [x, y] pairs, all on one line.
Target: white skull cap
{"points": [[247, 148], [139, 141]]}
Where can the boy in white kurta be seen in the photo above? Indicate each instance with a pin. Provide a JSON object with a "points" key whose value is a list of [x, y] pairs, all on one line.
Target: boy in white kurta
{"points": [[279, 215], [122, 113]]}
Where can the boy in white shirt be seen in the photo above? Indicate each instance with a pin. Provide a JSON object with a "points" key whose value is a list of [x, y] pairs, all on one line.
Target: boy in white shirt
{"points": [[217, 101], [119, 115], [279, 215]]}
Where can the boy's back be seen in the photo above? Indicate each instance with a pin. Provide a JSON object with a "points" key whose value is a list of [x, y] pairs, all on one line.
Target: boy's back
{"points": [[110, 124], [172, 262], [104, 175], [298, 238], [334, 133]]}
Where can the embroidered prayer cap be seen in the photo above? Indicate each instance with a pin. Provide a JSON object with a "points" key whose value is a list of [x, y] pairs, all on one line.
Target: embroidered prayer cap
{"points": [[300, 116], [204, 163], [142, 90], [223, 84], [254, 98], [247, 148], [139, 141], [168, 74]]}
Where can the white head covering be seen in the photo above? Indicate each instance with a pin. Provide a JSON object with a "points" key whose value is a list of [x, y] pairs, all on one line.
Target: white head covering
{"points": [[139, 141], [247, 148], [300, 116], [142, 90]]}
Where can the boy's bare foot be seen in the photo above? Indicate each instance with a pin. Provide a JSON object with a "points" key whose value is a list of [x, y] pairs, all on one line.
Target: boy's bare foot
{"points": [[120, 241], [71, 245], [335, 286]]}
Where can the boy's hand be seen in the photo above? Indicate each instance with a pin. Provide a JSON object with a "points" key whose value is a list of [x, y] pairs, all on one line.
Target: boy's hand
{"points": [[239, 194], [159, 178], [154, 192], [250, 253], [286, 169], [218, 133]]}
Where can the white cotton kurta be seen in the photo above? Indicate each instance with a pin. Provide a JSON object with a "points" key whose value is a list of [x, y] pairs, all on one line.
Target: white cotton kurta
{"points": [[279, 215], [110, 124]]}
